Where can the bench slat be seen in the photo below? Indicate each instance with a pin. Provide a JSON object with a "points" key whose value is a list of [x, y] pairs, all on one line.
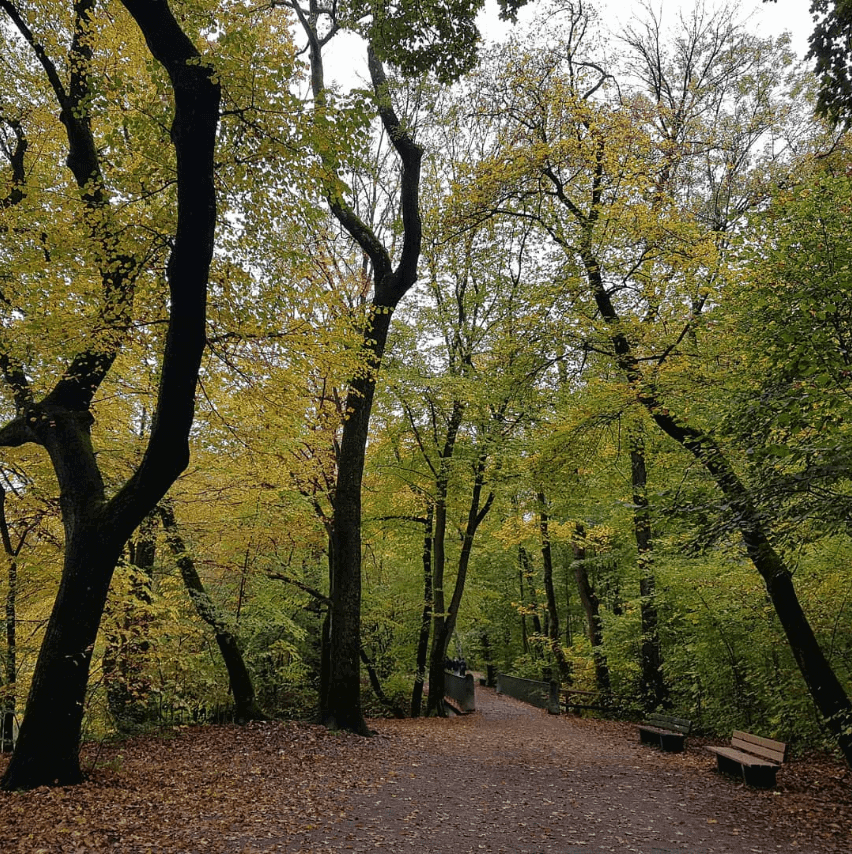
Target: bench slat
{"points": [[741, 757], [669, 722], [774, 751]]}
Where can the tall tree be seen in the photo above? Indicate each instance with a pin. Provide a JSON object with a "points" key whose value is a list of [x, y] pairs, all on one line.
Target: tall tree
{"points": [[647, 259], [340, 705], [97, 526]]}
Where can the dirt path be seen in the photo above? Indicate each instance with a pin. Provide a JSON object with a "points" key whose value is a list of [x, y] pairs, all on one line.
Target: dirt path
{"points": [[509, 778], [513, 779]]}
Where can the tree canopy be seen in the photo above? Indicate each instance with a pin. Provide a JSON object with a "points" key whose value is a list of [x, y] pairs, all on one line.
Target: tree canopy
{"points": [[535, 355]]}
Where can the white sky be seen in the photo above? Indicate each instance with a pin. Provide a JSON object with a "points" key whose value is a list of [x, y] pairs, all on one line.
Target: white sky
{"points": [[346, 57], [791, 16]]}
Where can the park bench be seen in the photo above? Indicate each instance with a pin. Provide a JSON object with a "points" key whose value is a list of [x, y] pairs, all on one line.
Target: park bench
{"points": [[665, 731], [754, 759]]}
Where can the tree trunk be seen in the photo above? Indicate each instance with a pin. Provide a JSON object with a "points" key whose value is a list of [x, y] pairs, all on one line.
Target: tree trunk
{"points": [[95, 530], [425, 620], [340, 706], [654, 691], [591, 606], [823, 685], [447, 625], [245, 704], [553, 612]]}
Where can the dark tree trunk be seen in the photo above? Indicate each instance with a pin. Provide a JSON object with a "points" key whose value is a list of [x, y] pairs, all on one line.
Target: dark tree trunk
{"points": [[553, 612], [340, 706], [594, 628], [446, 625], [96, 530], [245, 704], [825, 688], [654, 691], [425, 620]]}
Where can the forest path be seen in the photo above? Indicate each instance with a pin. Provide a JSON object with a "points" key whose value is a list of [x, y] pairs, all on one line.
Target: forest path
{"points": [[509, 778], [512, 778]]}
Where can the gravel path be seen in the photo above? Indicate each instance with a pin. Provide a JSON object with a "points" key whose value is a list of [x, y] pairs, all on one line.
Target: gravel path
{"points": [[511, 778]]}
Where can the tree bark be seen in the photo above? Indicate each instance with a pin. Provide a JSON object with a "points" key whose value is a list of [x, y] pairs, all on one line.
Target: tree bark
{"points": [[96, 529], [553, 612], [10, 664], [654, 691], [425, 620], [245, 703]]}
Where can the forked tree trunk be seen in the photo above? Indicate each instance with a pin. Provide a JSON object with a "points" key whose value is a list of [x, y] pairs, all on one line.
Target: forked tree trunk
{"points": [[95, 529], [340, 703]]}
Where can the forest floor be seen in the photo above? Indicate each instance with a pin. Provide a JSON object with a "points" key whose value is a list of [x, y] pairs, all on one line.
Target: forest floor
{"points": [[508, 778]]}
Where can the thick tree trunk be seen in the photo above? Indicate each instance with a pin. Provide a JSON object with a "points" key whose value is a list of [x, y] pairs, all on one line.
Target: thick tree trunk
{"points": [[245, 704], [342, 707], [48, 743], [425, 620], [654, 692], [594, 628], [95, 531], [553, 612]]}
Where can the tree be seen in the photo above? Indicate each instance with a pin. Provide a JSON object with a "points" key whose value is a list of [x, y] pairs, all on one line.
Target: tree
{"points": [[246, 707], [645, 220], [831, 49], [60, 420]]}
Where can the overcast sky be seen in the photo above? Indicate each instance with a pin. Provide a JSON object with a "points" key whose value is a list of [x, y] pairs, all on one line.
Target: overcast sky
{"points": [[346, 58], [792, 16]]}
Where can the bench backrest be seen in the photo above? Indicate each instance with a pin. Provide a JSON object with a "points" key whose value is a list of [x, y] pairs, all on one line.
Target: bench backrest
{"points": [[670, 722], [765, 748]]}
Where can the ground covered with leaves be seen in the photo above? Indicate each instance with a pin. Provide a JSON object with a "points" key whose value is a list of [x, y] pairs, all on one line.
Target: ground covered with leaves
{"points": [[508, 778]]}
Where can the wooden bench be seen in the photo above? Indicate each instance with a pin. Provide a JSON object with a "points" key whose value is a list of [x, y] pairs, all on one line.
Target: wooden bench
{"points": [[754, 759], [665, 731]]}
